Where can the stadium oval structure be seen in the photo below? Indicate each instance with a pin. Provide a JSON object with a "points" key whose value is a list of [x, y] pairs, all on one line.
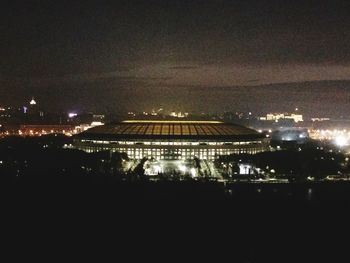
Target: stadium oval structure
{"points": [[172, 140]]}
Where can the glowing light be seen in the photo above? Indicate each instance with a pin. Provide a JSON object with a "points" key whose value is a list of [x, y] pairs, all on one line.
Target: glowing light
{"points": [[157, 168], [72, 115], [341, 141], [96, 123], [193, 172], [182, 168], [155, 121], [32, 102], [244, 168]]}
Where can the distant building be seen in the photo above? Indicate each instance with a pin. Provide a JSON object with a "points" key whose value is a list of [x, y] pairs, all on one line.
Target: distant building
{"points": [[320, 119], [98, 117], [277, 116], [178, 114]]}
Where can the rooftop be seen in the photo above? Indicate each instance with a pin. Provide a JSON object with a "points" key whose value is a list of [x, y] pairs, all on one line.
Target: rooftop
{"points": [[144, 129]]}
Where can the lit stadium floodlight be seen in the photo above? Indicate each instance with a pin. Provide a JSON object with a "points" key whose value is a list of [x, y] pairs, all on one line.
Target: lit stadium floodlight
{"points": [[341, 141]]}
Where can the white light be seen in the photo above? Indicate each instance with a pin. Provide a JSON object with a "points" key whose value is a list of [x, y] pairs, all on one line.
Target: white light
{"points": [[193, 172], [341, 141], [32, 102], [72, 115], [96, 123], [182, 168], [157, 168], [244, 168]]}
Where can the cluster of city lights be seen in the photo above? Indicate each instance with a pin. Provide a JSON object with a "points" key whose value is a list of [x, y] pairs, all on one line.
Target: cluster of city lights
{"points": [[40, 132], [340, 137], [44, 132], [155, 168]]}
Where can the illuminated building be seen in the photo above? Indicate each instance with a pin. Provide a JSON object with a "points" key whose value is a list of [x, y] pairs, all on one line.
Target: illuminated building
{"points": [[277, 116], [178, 114], [320, 119], [172, 140]]}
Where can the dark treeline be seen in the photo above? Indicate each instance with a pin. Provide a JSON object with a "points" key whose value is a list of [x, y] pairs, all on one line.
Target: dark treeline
{"points": [[46, 157], [47, 165], [41, 165], [294, 163]]}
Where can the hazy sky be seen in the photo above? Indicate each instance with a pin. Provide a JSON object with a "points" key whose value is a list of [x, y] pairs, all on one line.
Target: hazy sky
{"points": [[119, 54]]}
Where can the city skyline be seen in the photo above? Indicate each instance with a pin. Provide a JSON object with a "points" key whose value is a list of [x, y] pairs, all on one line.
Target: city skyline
{"points": [[196, 99]]}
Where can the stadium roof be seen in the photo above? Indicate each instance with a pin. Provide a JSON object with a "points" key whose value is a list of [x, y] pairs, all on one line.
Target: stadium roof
{"points": [[134, 129]]}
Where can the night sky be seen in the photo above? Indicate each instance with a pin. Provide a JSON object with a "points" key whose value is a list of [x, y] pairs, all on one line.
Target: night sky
{"points": [[182, 55]]}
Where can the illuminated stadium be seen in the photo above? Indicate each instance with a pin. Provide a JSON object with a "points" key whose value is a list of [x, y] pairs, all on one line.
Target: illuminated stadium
{"points": [[172, 140]]}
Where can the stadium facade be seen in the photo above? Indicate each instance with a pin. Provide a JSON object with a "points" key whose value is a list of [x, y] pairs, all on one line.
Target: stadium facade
{"points": [[172, 140]]}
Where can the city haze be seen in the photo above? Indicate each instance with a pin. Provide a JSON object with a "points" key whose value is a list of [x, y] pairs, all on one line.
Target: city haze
{"points": [[192, 56]]}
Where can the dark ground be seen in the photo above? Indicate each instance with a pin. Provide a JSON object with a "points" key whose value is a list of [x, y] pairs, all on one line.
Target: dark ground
{"points": [[100, 218]]}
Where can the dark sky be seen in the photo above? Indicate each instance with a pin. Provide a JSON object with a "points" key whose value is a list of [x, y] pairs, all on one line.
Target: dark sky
{"points": [[186, 55]]}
